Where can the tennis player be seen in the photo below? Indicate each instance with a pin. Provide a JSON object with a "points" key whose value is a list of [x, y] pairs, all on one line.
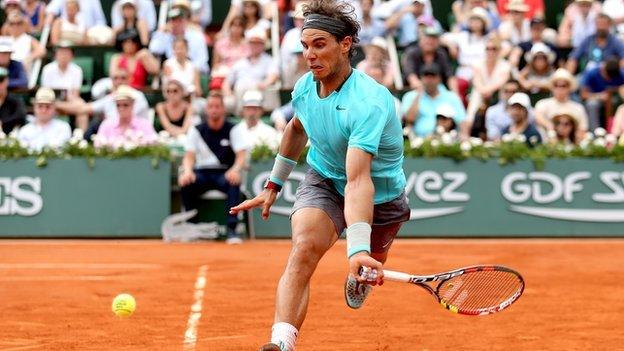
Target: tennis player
{"points": [[356, 180]]}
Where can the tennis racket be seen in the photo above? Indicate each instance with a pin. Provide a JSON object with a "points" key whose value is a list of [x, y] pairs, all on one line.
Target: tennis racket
{"points": [[475, 290]]}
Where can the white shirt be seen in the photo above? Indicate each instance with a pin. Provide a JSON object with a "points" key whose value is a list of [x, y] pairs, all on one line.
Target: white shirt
{"points": [[21, 47], [162, 44], [145, 11], [107, 106], [246, 74], [260, 134], [204, 157], [52, 77], [90, 11], [184, 73], [615, 9], [35, 136]]}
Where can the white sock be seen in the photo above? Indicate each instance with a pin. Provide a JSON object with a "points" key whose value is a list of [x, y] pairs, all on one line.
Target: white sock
{"points": [[284, 335]]}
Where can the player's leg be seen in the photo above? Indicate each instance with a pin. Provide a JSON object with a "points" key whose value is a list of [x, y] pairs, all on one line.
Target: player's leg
{"points": [[313, 233]]}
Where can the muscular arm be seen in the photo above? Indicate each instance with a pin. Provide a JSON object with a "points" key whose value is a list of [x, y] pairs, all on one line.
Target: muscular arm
{"points": [[294, 140], [359, 191]]}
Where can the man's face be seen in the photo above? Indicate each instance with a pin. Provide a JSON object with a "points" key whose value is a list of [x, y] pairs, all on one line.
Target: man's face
{"points": [[44, 112], [256, 47], [124, 108], [603, 26], [178, 24], [323, 53], [585, 7], [418, 9], [215, 109], [5, 59], [431, 81], [517, 113], [561, 89], [120, 78], [63, 56], [508, 90], [429, 43], [252, 113]]}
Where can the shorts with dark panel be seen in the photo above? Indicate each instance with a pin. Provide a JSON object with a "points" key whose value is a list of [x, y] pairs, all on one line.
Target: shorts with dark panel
{"points": [[318, 192]]}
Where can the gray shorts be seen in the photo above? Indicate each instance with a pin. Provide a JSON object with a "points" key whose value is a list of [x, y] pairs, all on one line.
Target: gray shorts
{"points": [[318, 192]]}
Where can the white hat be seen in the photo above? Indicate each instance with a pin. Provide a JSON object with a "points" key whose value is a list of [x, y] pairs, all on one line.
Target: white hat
{"points": [[564, 74], [256, 33], [6, 44], [521, 99], [124, 92], [122, 3], [252, 98], [445, 110], [517, 5], [44, 96], [482, 14], [540, 48], [380, 43], [178, 79]]}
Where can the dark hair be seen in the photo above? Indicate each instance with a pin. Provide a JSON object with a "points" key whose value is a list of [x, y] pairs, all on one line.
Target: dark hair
{"points": [[128, 34], [216, 94], [341, 11], [605, 16], [258, 9], [612, 68], [241, 19]]}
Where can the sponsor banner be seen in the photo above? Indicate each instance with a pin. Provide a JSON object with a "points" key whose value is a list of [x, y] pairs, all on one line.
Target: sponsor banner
{"points": [[572, 197], [68, 199]]}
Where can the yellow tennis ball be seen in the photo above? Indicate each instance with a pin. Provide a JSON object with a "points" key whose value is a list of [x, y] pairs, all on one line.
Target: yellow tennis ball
{"points": [[123, 305]]}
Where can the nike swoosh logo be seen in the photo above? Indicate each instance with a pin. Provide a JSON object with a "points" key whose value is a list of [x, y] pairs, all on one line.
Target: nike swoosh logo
{"points": [[340, 108]]}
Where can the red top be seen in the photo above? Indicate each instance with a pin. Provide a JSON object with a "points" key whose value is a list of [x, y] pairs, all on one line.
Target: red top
{"points": [[138, 77], [534, 6]]}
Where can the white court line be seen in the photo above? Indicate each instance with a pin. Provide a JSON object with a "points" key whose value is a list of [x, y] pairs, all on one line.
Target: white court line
{"points": [[56, 278], [190, 335], [79, 266], [22, 348]]}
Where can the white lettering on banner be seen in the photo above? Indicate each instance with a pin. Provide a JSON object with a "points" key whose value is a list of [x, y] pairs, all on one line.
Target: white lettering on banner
{"points": [[518, 187], [611, 180], [20, 196], [428, 186]]}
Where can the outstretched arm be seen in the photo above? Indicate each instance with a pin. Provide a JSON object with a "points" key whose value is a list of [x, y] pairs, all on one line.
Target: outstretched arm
{"points": [[293, 143]]}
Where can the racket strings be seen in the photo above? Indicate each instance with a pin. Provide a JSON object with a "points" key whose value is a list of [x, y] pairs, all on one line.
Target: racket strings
{"points": [[481, 290]]}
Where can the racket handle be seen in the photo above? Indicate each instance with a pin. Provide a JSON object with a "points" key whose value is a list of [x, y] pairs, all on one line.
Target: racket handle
{"points": [[396, 276]]}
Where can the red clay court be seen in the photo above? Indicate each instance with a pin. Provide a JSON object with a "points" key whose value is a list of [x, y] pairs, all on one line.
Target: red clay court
{"points": [[56, 295]]}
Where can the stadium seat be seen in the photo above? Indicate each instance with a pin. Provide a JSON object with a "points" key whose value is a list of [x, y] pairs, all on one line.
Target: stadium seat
{"points": [[86, 64]]}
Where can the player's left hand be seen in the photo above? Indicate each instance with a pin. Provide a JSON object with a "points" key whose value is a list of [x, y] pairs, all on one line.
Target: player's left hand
{"points": [[362, 259], [233, 176]]}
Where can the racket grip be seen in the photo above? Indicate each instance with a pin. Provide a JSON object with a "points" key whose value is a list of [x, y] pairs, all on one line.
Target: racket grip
{"points": [[396, 276]]}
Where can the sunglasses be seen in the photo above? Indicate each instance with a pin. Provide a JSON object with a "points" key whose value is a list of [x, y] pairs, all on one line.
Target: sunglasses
{"points": [[561, 85], [44, 106], [172, 91], [507, 91], [123, 104], [491, 48], [565, 124], [120, 77]]}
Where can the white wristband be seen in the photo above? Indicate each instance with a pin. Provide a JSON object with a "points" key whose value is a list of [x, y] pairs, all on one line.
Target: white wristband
{"points": [[358, 238], [281, 169]]}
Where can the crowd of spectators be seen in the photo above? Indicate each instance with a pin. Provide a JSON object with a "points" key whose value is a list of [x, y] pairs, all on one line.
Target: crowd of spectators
{"points": [[496, 68]]}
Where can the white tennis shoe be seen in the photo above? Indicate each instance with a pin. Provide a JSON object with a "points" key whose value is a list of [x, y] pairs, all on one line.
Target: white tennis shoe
{"points": [[355, 292]]}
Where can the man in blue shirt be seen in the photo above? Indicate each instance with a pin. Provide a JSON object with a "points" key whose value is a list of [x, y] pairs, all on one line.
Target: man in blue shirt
{"points": [[407, 21], [17, 74], [598, 47], [518, 107], [598, 85], [419, 107], [355, 182]]}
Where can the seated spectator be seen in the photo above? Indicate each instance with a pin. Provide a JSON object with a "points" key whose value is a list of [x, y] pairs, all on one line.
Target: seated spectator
{"points": [[252, 11], [488, 77], [62, 73], [12, 110], [598, 47], [70, 27], [215, 158], [445, 118], [496, 116], [376, 63], [370, 27], [518, 107], [182, 68], [9, 7], [162, 40], [26, 49], [236, 9], [45, 130], [615, 9], [131, 20], [463, 10], [292, 39], [175, 113], [565, 128], [538, 35], [535, 8], [535, 77], [579, 22], [257, 132], [134, 58], [257, 71], [468, 47], [105, 108], [516, 28], [296, 68], [117, 130], [17, 74], [144, 9], [617, 128], [406, 22], [562, 84], [419, 107], [230, 48], [91, 13], [34, 10], [427, 51], [598, 87]]}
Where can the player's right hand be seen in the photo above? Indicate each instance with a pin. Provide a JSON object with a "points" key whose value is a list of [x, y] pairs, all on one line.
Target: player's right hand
{"points": [[264, 199], [363, 259]]}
